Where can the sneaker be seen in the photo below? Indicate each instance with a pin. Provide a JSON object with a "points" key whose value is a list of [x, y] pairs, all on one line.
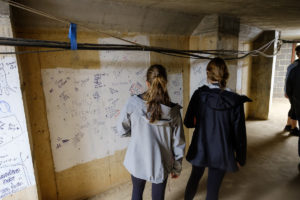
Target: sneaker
{"points": [[294, 132], [287, 128]]}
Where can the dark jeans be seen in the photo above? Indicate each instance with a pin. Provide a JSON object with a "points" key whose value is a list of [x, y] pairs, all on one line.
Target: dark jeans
{"points": [[292, 112], [158, 190], [299, 140], [215, 178]]}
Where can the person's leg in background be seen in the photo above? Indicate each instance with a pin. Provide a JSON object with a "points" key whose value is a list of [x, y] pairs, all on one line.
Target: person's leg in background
{"points": [[299, 140], [158, 190], [193, 182], [291, 122], [299, 146], [214, 181], [288, 125], [138, 188], [294, 130]]}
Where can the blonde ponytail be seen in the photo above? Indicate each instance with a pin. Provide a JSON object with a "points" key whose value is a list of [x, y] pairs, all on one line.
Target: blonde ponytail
{"points": [[157, 92]]}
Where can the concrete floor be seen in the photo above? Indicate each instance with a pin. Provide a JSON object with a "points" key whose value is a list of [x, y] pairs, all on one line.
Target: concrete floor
{"points": [[271, 171]]}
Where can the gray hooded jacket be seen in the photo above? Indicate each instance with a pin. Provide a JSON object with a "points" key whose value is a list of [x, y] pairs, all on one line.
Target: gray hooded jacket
{"points": [[155, 149]]}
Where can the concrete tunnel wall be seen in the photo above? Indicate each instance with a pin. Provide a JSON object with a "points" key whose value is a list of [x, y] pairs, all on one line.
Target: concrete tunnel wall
{"points": [[98, 175]]}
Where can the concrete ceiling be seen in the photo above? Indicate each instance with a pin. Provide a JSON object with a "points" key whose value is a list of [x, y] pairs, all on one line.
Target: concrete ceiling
{"points": [[165, 16]]}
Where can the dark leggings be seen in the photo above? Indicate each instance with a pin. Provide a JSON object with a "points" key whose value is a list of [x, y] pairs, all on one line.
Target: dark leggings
{"points": [[299, 140], [214, 180], [292, 113], [158, 190]]}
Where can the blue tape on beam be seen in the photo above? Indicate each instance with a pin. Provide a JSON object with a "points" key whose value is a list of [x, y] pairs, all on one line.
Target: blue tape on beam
{"points": [[73, 36]]}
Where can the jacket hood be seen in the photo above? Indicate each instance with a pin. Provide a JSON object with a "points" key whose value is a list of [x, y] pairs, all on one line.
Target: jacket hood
{"points": [[169, 113], [218, 99]]}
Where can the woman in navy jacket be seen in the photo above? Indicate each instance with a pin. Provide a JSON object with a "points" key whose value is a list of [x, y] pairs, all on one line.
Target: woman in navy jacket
{"points": [[219, 140]]}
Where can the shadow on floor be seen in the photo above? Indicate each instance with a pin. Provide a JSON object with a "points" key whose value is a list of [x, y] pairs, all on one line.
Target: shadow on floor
{"points": [[268, 164]]}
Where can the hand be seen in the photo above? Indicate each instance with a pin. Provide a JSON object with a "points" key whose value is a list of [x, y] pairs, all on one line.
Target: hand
{"points": [[238, 165], [173, 175]]}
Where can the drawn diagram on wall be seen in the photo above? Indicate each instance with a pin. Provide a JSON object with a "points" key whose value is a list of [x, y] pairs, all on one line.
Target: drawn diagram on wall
{"points": [[10, 129], [5, 87], [83, 105], [14, 175], [16, 170]]}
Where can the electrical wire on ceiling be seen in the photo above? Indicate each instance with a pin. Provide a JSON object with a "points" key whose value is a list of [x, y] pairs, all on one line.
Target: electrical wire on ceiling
{"points": [[291, 41], [194, 54], [64, 46]]}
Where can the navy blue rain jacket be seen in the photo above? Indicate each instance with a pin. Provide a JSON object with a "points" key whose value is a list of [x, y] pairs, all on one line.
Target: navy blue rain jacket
{"points": [[293, 89], [293, 92], [219, 139]]}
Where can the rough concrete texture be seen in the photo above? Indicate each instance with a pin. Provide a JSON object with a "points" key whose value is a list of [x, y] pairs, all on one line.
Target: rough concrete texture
{"points": [[42, 156], [261, 78], [4, 9], [56, 185], [108, 15], [244, 73], [214, 32], [167, 17], [228, 38], [31, 65], [248, 33], [270, 173], [99, 175], [5, 31]]}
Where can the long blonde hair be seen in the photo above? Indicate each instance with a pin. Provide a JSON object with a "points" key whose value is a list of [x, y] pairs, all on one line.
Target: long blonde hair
{"points": [[157, 92], [218, 71]]}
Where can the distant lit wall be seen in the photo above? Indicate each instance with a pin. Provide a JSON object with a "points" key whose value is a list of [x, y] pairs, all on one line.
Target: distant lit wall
{"points": [[282, 62]]}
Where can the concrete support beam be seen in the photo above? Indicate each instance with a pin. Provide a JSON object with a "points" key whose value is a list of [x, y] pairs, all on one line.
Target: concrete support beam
{"points": [[214, 32], [261, 78], [228, 39]]}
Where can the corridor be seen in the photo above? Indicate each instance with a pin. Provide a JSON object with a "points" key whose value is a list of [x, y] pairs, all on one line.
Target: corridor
{"points": [[271, 171]]}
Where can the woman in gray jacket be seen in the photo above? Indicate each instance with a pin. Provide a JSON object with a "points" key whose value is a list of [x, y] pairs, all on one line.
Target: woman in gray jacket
{"points": [[157, 140]]}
